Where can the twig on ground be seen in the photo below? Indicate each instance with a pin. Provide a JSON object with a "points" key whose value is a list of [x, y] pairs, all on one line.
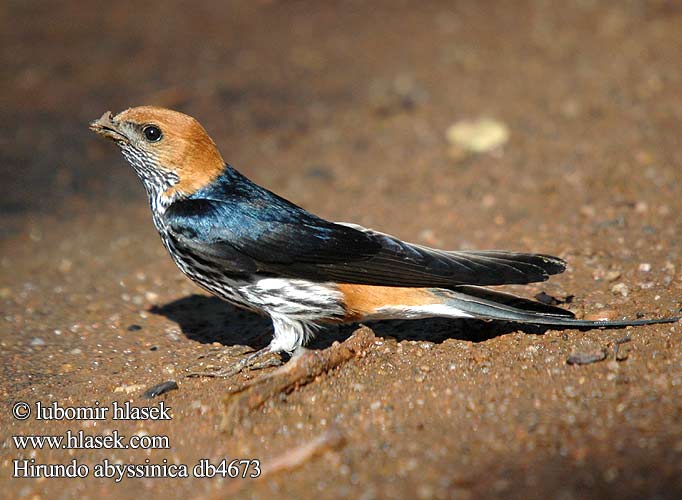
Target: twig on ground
{"points": [[583, 358], [331, 439]]}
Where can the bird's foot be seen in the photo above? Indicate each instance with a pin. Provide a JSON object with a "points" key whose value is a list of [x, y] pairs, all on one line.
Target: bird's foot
{"points": [[262, 358]]}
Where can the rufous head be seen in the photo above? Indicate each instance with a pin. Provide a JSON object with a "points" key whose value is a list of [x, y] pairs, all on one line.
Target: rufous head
{"points": [[170, 151]]}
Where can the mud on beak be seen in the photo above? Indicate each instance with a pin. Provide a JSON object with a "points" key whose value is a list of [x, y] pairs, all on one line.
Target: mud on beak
{"points": [[107, 127]]}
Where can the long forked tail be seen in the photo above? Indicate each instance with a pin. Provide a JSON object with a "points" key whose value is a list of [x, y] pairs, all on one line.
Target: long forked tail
{"points": [[367, 302], [483, 303]]}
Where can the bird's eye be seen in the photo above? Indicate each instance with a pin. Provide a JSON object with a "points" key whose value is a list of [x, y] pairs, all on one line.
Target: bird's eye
{"points": [[152, 133]]}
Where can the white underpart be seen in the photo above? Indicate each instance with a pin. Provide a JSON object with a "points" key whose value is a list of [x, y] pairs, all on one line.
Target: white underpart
{"points": [[300, 299], [290, 334], [295, 306], [296, 289], [419, 312]]}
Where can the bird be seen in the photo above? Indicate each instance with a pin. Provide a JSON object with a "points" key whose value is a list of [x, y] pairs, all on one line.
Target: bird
{"points": [[259, 251]]}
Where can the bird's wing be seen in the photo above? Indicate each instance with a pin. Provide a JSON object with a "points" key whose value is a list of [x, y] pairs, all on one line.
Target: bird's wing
{"points": [[287, 241], [417, 265], [251, 237]]}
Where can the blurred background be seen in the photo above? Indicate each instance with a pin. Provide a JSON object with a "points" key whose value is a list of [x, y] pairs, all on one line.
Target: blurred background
{"points": [[303, 95], [529, 125]]}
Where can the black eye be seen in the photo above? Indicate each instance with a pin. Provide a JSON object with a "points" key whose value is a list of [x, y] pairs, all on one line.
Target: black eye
{"points": [[152, 133]]}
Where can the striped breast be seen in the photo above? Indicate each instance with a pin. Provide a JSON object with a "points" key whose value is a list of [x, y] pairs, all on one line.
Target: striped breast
{"points": [[209, 276], [297, 299]]}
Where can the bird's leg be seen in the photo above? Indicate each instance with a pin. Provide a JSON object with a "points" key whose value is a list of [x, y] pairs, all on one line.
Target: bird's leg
{"points": [[257, 360]]}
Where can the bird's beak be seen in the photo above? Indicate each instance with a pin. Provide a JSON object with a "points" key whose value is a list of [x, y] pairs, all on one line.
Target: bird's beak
{"points": [[106, 126]]}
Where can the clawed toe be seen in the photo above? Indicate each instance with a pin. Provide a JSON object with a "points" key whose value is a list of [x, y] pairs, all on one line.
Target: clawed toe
{"points": [[263, 358], [267, 361]]}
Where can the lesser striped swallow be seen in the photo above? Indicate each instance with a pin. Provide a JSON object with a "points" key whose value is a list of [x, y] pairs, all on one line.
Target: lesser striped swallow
{"points": [[259, 251]]}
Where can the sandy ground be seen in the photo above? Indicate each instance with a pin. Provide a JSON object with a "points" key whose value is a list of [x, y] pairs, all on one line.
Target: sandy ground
{"points": [[343, 108]]}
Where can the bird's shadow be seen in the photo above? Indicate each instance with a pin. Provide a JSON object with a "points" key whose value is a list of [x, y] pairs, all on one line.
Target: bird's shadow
{"points": [[209, 319]]}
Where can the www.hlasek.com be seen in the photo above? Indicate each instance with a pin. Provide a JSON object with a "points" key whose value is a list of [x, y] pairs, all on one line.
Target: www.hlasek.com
{"points": [[80, 440]]}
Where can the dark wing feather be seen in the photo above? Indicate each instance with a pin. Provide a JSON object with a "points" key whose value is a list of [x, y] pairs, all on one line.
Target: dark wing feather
{"points": [[259, 239], [399, 263], [241, 227], [247, 238], [514, 301]]}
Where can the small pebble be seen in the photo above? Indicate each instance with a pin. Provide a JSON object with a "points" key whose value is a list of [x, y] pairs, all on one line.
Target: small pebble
{"points": [[65, 266], [553, 301], [37, 341], [320, 172], [620, 289], [612, 276], [488, 200], [478, 136], [645, 267], [603, 315], [158, 389], [173, 336], [641, 207], [570, 391], [129, 389], [588, 211]]}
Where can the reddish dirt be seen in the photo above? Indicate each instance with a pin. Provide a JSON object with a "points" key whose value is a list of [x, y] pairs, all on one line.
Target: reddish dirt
{"points": [[343, 108]]}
